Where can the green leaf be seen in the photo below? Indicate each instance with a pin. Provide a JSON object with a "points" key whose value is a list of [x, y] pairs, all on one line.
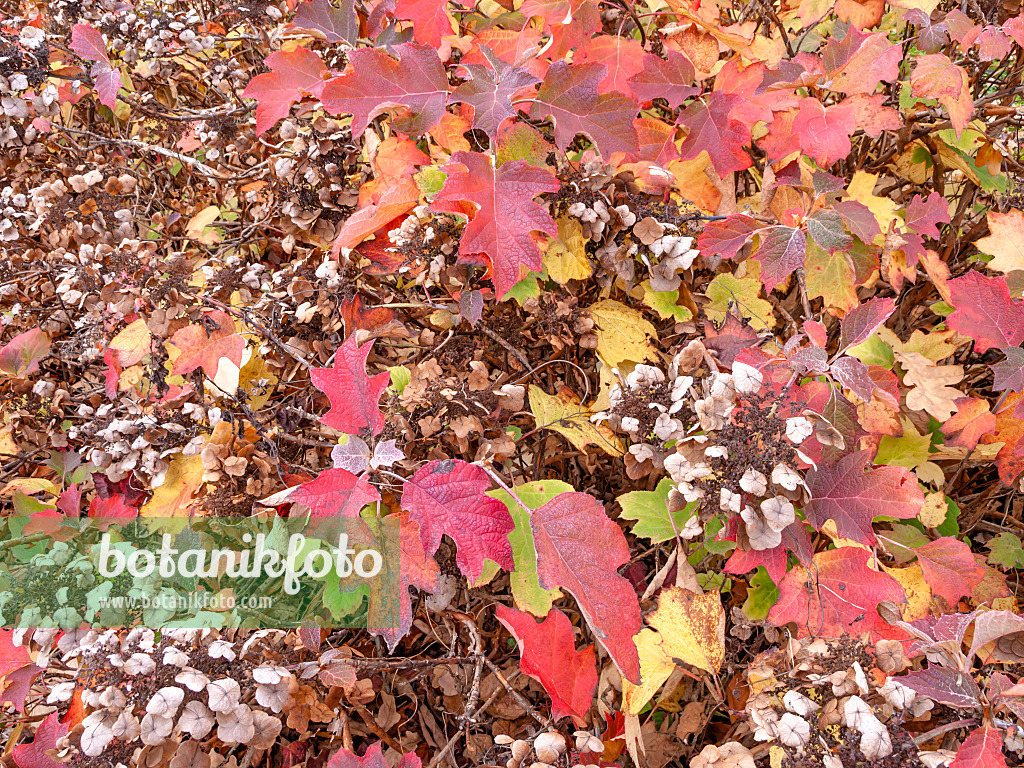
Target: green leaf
{"points": [[650, 510], [526, 589], [1006, 551], [874, 351], [664, 303], [400, 377], [761, 595], [910, 450], [527, 288]]}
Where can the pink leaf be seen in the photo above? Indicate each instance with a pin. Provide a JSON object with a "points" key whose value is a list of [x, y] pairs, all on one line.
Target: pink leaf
{"points": [[859, 62], [107, 81], [490, 92], [726, 238], [713, 129], [569, 95], [946, 686], [671, 80], [853, 497], [837, 595], [579, 549], [985, 311], [506, 213], [983, 748], [373, 758], [335, 24], [854, 375], [949, 568], [549, 656], [924, 216], [781, 251], [1009, 373], [89, 44], [33, 755], [825, 131], [293, 73], [375, 82], [415, 570], [861, 322], [936, 77], [21, 355], [354, 396], [449, 497]]}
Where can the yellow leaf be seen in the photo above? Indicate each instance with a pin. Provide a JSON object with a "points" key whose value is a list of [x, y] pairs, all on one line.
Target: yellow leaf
{"points": [[173, 498], [831, 276], [919, 594], [195, 229], [258, 381], [566, 258], [29, 485], [564, 414], [132, 343], [862, 189], [1006, 243], [742, 292], [933, 513], [622, 333], [690, 628], [655, 669]]}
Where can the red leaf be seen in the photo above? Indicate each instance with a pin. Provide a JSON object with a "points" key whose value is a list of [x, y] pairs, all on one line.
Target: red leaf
{"points": [[202, 345], [33, 755], [569, 95], [859, 62], [490, 93], [88, 43], [839, 595], [336, 493], [924, 216], [725, 238], [293, 73], [354, 396], [21, 355], [335, 24], [781, 251], [946, 686], [794, 539], [373, 758], [859, 219], [579, 549], [15, 665], [971, 420], [375, 82], [936, 77], [622, 56], [983, 748], [862, 321], [415, 570], [449, 497], [549, 656], [506, 213], [853, 497], [1009, 373], [985, 311], [430, 20], [713, 129], [871, 114], [949, 568], [671, 80], [825, 131]]}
